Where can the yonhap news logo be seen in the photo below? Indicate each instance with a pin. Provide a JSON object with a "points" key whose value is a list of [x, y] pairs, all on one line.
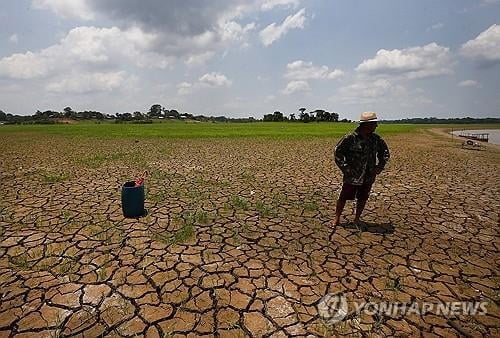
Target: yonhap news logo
{"points": [[334, 308]]}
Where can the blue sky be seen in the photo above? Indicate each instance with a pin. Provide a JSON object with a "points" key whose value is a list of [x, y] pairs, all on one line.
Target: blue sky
{"points": [[251, 57]]}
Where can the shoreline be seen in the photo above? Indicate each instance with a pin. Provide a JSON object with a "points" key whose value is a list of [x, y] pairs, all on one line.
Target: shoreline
{"points": [[448, 133], [493, 135]]}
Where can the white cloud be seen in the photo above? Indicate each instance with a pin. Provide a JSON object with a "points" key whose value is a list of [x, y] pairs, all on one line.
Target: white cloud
{"points": [[270, 4], [485, 48], [411, 63], [199, 59], [109, 45], [86, 48], [208, 80], [182, 29], [87, 59], [215, 80], [273, 32], [296, 86], [335, 74], [79, 83], [364, 92], [233, 31], [78, 9], [469, 83], [184, 88], [302, 70], [14, 38], [379, 95], [23, 66]]}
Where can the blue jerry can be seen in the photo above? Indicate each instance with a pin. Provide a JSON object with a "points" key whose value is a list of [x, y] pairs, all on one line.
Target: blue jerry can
{"points": [[133, 200]]}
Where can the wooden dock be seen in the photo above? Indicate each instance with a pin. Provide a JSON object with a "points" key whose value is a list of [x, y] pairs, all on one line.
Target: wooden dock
{"points": [[482, 137]]}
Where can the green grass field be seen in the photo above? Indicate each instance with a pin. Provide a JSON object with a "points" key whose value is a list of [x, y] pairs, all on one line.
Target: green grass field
{"points": [[187, 130]]}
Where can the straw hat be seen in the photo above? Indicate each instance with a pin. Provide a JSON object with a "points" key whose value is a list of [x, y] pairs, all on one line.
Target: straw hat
{"points": [[368, 116]]}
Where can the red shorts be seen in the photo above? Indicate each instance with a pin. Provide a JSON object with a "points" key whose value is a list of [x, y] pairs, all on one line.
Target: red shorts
{"points": [[360, 192]]}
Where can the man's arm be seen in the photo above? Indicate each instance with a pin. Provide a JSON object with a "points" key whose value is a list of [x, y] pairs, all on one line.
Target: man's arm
{"points": [[341, 152], [383, 155]]}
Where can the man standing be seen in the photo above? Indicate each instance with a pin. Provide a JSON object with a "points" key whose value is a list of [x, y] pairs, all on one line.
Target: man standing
{"points": [[361, 156]]}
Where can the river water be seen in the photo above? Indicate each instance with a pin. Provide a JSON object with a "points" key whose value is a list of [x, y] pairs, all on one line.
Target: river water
{"points": [[494, 134]]}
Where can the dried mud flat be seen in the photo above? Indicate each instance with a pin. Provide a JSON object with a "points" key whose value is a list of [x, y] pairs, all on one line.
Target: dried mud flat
{"points": [[236, 241]]}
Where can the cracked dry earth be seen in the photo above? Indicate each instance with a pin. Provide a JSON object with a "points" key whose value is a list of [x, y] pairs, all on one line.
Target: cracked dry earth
{"points": [[236, 241]]}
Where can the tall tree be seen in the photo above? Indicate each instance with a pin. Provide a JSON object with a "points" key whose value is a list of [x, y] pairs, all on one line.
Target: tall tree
{"points": [[321, 115], [155, 111], [38, 114], [138, 115], [304, 117], [173, 114], [268, 118], [68, 112], [312, 116], [277, 116]]}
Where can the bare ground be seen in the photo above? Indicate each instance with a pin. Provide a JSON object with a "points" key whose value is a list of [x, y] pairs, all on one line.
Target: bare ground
{"points": [[236, 241]]}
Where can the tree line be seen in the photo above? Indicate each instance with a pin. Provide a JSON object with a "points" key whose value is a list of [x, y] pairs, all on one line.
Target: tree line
{"points": [[51, 116], [156, 111], [318, 115]]}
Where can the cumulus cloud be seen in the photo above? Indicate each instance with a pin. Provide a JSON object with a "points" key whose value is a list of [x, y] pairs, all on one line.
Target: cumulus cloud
{"points": [[233, 31], [469, 83], [411, 63], [182, 18], [273, 32], [86, 48], [23, 66], [188, 30], [87, 59], [184, 88], [77, 83], [215, 80], [299, 72], [296, 86], [485, 48], [364, 92], [208, 80], [270, 4], [74, 9], [199, 59], [302, 70], [182, 29]]}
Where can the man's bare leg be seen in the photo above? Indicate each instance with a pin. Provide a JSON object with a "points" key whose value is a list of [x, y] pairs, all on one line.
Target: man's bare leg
{"points": [[360, 206], [339, 210]]}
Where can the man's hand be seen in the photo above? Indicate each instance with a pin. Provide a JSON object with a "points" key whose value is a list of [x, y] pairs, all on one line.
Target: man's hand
{"points": [[378, 170]]}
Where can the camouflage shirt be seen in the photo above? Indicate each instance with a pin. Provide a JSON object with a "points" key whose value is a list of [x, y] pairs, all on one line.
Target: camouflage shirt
{"points": [[358, 156]]}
